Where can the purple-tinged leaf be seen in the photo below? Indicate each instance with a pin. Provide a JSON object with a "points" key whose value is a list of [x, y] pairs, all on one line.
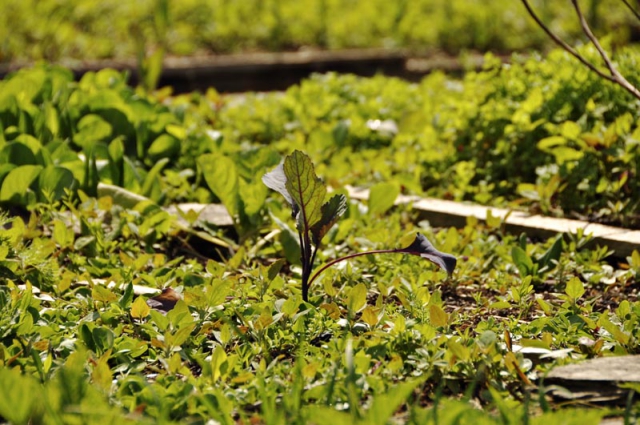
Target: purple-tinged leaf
{"points": [[422, 247], [331, 212], [306, 189], [277, 180]]}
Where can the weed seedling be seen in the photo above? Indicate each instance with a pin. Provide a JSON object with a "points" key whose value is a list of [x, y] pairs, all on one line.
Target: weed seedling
{"points": [[296, 180]]}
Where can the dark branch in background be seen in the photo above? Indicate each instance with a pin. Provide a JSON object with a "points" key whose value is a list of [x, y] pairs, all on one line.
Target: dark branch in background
{"points": [[614, 76], [631, 8]]}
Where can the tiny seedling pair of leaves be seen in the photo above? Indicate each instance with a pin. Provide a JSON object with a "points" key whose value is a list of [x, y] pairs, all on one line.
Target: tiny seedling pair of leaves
{"points": [[296, 180]]}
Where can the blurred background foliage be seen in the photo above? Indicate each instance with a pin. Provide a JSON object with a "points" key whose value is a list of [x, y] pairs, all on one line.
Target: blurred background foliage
{"points": [[55, 30]]}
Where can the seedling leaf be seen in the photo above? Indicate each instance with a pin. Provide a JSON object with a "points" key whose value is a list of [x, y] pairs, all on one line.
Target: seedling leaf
{"points": [[306, 189], [422, 247], [331, 212]]}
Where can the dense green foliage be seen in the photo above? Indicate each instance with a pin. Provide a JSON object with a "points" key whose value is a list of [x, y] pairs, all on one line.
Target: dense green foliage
{"points": [[243, 345], [82, 29], [545, 133], [382, 338]]}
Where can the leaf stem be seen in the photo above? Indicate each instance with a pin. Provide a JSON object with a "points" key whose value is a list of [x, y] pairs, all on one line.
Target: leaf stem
{"points": [[347, 257]]}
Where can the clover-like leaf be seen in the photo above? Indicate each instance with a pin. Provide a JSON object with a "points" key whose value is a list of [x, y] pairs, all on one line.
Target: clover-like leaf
{"points": [[306, 189], [331, 212], [425, 249]]}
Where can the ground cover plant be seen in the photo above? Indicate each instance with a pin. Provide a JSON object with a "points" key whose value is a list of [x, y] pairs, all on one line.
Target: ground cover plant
{"points": [[80, 29], [242, 345], [85, 168]]}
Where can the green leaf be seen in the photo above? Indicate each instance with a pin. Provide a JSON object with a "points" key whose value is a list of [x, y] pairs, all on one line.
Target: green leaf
{"points": [[253, 196], [62, 234], [331, 212], [161, 321], [274, 269], [165, 146], [384, 406], [91, 176], [15, 186], [139, 308], [357, 298], [522, 261], [218, 361], [18, 154], [221, 175], [152, 179], [422, 247], [550, 258], [549, 142], [20, 397], [103, 337], [382, 196], [102, 294], [116, 161], [92, 129], [325, 415], [180, 336], [53, 181], [127, 296], [575, 288], [306, 189], [218, 292], [438, 316]]}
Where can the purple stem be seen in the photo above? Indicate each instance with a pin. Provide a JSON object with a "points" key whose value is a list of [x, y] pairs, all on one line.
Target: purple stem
{"points": [[357, 254]]}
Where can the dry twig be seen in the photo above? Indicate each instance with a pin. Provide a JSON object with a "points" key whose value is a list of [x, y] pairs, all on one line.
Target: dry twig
{"points": [[614, 75]]}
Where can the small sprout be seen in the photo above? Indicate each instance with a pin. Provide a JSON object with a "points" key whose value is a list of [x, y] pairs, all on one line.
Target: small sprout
{"points": [[295, 179]]}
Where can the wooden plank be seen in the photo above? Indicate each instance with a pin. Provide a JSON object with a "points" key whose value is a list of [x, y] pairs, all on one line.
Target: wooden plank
{"points": [[442, 213], [269, 71]]}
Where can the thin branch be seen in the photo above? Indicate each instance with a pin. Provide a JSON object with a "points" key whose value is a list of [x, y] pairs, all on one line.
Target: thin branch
{"points": [[632, 9], [614, 77], [564, 45], [615, 74]]}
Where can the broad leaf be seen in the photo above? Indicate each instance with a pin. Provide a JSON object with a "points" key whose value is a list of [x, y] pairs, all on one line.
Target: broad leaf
{"points": [[15, 186], [221, 176], [522, 261], [140, 309], [438, 316], [306, 189], [357, 298], [549, 259], [331, 212], [382, 196], [575, 288], [422, 247], [53, 181]]}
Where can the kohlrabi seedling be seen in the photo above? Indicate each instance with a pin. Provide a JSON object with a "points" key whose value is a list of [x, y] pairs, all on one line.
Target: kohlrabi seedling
{"points": [[296, 180]]}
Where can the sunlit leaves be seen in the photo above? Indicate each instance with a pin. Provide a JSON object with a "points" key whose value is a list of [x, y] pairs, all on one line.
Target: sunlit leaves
{"points": [[382, 196], [305, 188], [139, 308]]}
